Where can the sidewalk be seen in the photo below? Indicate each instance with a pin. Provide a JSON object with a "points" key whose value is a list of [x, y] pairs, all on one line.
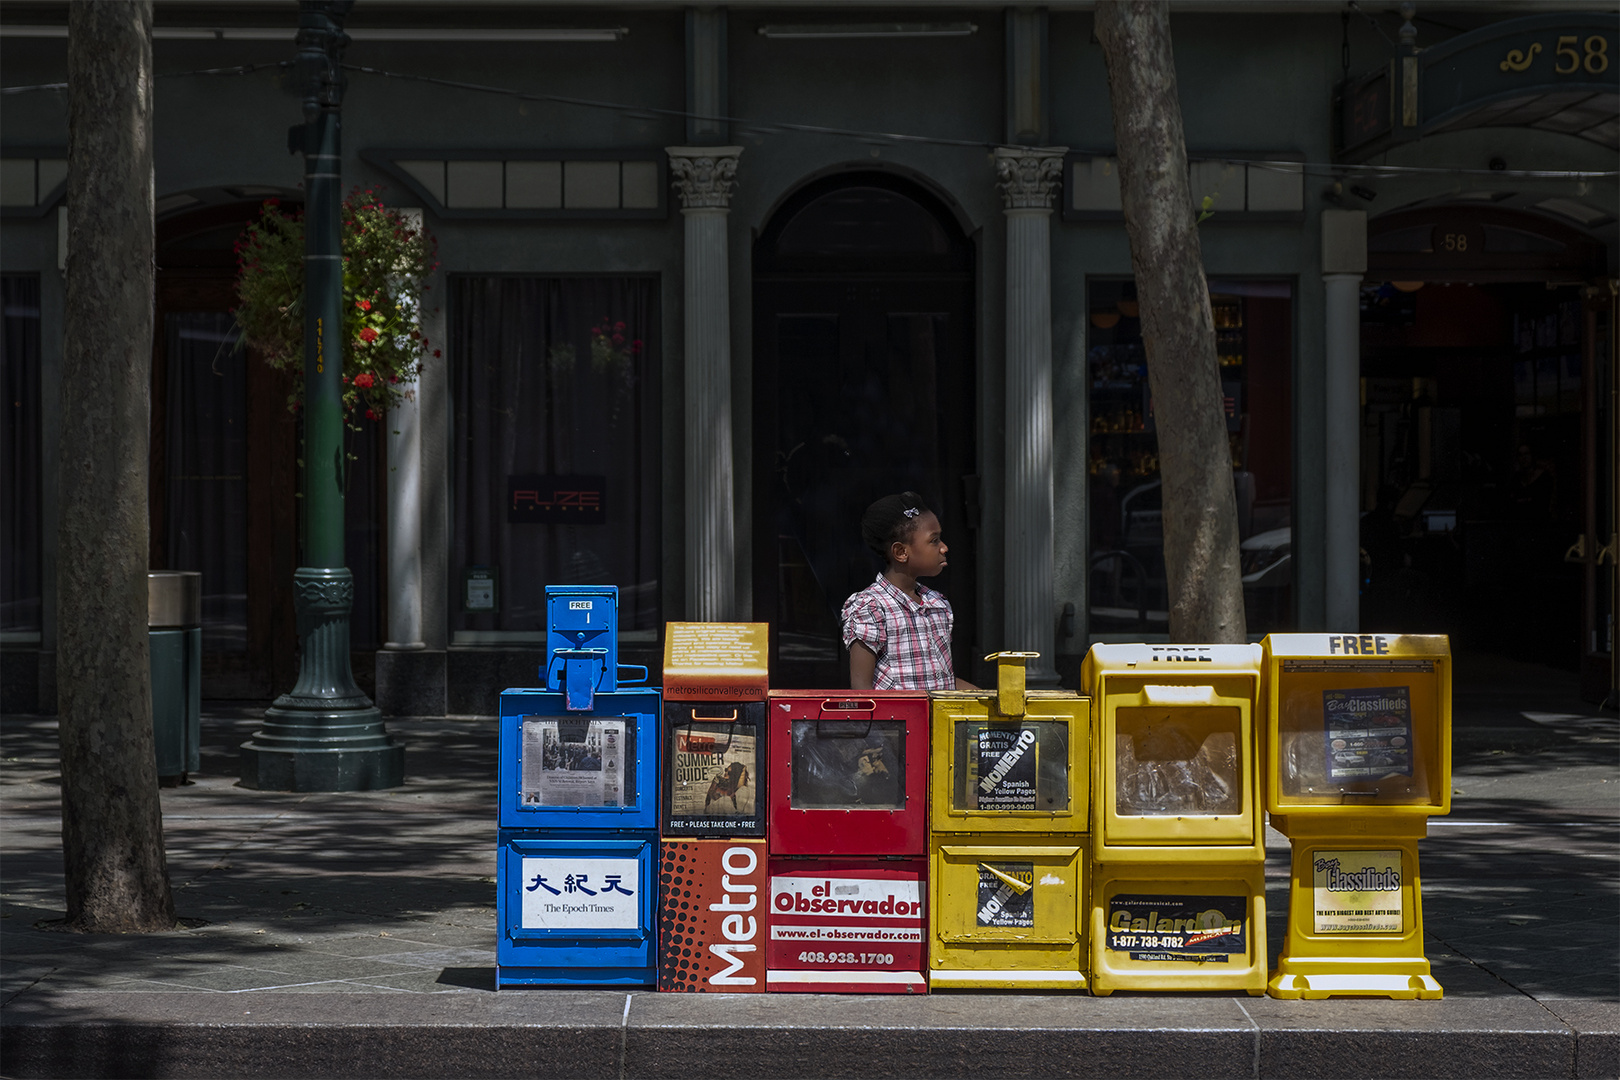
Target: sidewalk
{"points": [[354, 935]]}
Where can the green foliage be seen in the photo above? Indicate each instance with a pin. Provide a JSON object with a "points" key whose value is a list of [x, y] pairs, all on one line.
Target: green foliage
{"points": [[1207, 211], [386, 260]]}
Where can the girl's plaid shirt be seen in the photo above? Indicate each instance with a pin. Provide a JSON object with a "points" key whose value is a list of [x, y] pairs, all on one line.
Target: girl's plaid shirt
{"points": [[912, 639]]}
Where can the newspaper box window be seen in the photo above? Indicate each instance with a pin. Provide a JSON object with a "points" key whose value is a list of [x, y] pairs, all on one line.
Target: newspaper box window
{"points": [[576, 761], [1178, 887], [576, 883], [1008, 847], [848, 835], [1357, 759], [714, 769]]}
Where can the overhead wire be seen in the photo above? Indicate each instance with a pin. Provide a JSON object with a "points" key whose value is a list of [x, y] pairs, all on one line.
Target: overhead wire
{"points": [[747, 127]]}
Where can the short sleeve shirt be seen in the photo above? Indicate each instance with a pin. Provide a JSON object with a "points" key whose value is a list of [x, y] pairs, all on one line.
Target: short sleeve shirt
{"points": [[912, 638]]}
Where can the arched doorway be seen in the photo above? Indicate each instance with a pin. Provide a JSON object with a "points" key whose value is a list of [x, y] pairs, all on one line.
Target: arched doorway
{"points": [[1487, 452], [863, 377]]}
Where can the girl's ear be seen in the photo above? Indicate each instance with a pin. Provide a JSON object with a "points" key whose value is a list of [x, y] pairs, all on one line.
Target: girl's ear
{"points": [[897, 552]]}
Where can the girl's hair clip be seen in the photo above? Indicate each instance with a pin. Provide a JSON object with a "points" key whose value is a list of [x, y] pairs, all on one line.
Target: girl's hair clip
{"points": [[911, 511]]}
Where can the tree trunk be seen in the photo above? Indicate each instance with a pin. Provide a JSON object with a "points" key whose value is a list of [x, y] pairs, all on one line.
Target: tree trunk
{"points": [[112, 822], [1178, 331]]}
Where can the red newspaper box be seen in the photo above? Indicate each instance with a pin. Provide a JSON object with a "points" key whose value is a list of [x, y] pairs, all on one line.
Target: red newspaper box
{"points": [[848, 926], [849, 773], [848, 828]]}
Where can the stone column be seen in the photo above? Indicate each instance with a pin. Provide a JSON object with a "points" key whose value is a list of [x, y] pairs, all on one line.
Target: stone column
{"points": [[703, 176], [1344, 261], [1028, 178], [404, 528]]}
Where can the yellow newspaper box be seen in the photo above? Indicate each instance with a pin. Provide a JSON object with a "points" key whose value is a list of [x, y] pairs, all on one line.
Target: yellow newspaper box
{"points": [[1176, 757], [1178, 842], [1008, 848], [1357, 759]]}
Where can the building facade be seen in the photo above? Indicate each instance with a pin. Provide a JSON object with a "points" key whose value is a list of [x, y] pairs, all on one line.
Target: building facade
{"points": [[714, 278]]}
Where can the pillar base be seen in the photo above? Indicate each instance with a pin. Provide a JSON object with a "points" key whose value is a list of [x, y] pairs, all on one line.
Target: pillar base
{"points": [[322, 750], [1323, 977]]}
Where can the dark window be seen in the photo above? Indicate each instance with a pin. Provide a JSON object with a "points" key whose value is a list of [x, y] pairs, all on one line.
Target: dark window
{"points": [[19, 503], [1254, 346], [556, 417]]}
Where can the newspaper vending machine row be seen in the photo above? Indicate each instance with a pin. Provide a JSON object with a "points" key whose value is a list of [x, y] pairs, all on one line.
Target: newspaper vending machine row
{"points": [[725, 837]]}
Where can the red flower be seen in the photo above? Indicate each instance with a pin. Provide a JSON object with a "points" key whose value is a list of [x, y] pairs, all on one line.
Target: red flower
{"points": [[619, 326], [363, 305], [272, 202], [437, 353], [393, 378], [371, 415], [365, 380], [618, 339], [367, 334]]}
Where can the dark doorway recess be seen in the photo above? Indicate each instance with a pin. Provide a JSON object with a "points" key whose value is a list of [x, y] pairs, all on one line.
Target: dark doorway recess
{"points": [[1487, 435], [224, 470], [863, 386]]}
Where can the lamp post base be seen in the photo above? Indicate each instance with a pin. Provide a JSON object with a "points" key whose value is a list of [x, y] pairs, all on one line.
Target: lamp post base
{"points": [[331, 750], [325, 735]]}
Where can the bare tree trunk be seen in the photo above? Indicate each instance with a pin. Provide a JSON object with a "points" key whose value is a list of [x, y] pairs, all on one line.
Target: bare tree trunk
{"points": [[112, 822], [1178, 331]]}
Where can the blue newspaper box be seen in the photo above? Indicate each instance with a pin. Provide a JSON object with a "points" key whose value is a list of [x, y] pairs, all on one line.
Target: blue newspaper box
{"points": [[578, 810]]}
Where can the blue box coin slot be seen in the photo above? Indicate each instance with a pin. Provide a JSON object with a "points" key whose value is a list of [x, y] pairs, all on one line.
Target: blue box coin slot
{"points": [[576, 912]]}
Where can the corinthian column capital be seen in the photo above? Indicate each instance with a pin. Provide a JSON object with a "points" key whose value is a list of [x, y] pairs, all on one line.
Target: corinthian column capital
{"points": [[704, 175], [1028, 176]]}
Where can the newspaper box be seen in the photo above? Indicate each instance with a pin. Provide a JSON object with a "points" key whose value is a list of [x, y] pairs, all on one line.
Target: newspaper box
{"points": [[848, 839], [577, 810], [1010, 809], [1357, 759], [714, 769], [575, 912], [711, 929], [1178, 885], [848, 926], [849, 773], [570, 772]]}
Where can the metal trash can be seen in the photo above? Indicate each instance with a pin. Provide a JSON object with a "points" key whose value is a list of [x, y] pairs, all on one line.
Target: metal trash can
{"points": [[174, 628]]}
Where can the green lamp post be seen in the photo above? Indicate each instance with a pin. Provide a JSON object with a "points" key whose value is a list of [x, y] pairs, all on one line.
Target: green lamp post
{"points": [[325, 735]]}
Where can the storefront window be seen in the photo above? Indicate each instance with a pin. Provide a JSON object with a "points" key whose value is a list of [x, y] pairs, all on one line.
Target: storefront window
{"points": [[556, 447], [1254, 344]]}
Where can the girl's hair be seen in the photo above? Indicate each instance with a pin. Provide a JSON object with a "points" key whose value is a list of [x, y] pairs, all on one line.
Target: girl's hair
{"points": [[891, 520]]}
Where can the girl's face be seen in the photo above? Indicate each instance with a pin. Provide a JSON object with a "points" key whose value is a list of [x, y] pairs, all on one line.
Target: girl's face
{"points": [[923, 553]]}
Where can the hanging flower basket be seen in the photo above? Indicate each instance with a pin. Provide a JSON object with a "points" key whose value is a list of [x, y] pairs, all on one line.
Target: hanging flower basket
{"points": [[386, 260]]}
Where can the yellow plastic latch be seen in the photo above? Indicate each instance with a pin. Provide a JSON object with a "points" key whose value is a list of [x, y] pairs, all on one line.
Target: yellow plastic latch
{"points": [[1010, 681]]}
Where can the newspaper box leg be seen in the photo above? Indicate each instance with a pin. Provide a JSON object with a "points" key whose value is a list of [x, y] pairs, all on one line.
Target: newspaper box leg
{"points": [[1355, 921]]}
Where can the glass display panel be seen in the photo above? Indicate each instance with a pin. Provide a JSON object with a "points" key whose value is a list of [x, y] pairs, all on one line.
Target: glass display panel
{"points": [[1357, 737], [1011, 765], [715, 771], [578, 761], [849, 764], [1177, 761]]}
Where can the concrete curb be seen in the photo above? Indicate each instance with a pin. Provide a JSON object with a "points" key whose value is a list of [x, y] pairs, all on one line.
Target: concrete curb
{"points": [[613, 1034]]}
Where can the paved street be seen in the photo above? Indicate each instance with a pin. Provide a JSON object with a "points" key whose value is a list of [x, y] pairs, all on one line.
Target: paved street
{"points": [[354, 935]]}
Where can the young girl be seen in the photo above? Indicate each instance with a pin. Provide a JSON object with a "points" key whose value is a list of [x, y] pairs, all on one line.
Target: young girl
{"points": [[898, 632]]}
